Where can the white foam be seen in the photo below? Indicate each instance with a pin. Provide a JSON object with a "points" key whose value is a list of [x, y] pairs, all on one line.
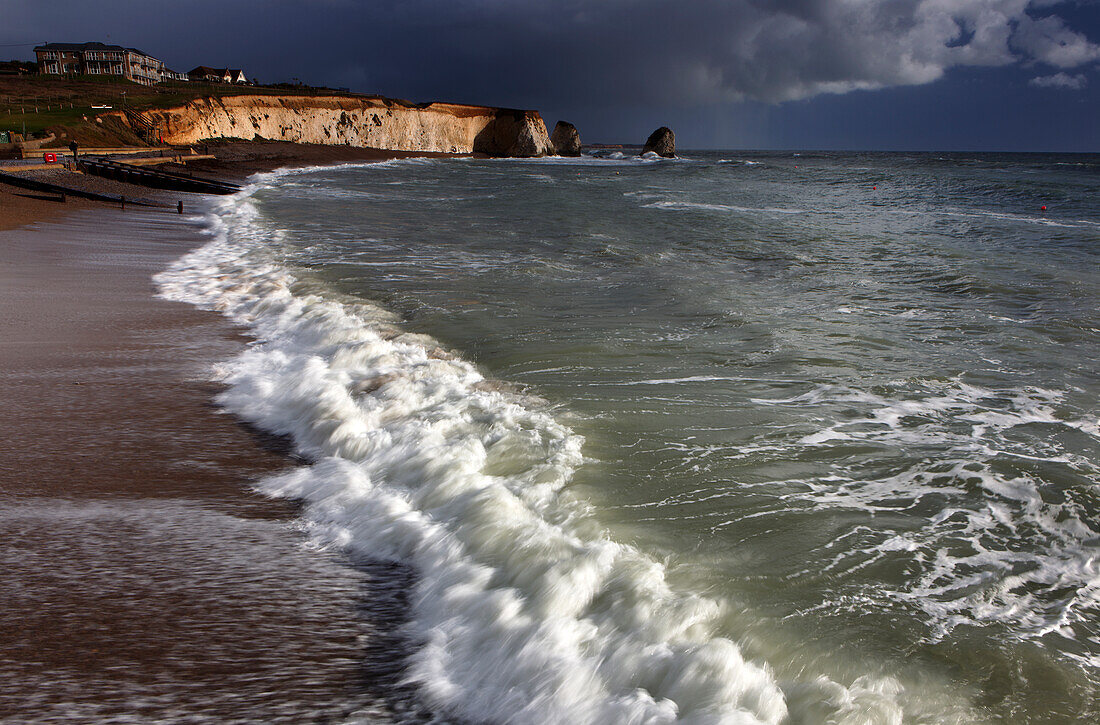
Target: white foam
{"points": [[1000, 216], [675, 381], [695, 206], [524, 610], [998, 551]]}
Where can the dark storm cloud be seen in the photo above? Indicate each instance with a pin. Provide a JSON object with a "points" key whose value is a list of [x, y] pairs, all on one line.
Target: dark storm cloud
{"points": [[577, 51], [703, 51]]}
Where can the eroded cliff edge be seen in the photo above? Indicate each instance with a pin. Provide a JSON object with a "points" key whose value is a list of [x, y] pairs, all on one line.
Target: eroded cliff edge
{"points": [[370, 122]]}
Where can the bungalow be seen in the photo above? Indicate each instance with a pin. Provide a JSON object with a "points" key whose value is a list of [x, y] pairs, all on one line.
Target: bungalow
{"points": [[171, 75], [217, 75]]}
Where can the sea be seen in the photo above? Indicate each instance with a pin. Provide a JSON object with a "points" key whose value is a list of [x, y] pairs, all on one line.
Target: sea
{"points": [[735, 437]]}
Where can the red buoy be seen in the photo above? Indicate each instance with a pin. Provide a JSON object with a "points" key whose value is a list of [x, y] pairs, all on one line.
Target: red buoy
{"points": [[1042, 208], [875, 188]]}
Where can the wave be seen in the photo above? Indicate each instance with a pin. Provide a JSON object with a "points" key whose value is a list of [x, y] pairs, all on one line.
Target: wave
{"points": [[524, 609]]}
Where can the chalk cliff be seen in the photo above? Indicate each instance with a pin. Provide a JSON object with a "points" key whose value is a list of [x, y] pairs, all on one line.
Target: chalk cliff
{"points": [[371, 122]]}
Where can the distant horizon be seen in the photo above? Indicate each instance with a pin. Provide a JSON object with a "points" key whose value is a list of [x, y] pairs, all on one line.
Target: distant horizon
{"points": [[681, 149]]}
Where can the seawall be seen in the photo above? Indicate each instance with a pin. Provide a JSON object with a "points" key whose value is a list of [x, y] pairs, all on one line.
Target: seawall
{"points": [[371, 122]]}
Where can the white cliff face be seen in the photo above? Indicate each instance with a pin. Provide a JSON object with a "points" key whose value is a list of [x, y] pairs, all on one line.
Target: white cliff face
{"points": [[363, 122]]}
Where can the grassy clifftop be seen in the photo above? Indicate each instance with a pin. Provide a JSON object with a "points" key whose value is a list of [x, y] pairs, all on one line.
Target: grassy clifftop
{"points": [[43, 104]]}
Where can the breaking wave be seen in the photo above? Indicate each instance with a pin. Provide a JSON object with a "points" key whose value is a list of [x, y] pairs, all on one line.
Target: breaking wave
{"points": [[524, 608]]}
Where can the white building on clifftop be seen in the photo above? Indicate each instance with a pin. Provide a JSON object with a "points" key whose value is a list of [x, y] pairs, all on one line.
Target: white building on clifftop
{"points": [[217, 75]]}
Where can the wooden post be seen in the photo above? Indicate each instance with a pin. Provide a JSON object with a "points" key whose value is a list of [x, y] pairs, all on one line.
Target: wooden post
{"points": [[179, 207], [122, 199]]}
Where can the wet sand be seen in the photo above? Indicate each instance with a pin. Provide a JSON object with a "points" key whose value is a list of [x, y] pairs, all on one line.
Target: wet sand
{"points": [[236, 159], [142, 579], [19, 207]]}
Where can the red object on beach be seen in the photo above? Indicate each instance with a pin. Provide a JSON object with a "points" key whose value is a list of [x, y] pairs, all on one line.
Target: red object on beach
{"points": [[49, 158], [1042, 208], [875, 188]]}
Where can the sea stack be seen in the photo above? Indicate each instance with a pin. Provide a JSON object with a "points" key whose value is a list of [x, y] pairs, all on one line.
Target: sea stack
{"points": [[661, 142], [566, 139]]}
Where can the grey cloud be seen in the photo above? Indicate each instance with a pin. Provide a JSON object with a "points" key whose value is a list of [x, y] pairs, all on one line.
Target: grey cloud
{"points": [[709, 51], [1060, 80], [1048, 40]]}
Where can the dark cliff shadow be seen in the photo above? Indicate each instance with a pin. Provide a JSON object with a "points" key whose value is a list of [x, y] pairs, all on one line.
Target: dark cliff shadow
{"points": [[500, 136]]}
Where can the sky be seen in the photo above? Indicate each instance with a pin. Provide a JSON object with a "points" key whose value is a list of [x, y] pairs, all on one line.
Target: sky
{"points": [[933, 75]]}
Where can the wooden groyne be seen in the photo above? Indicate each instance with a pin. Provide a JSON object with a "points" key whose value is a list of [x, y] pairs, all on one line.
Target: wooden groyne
{"points": [[155, 179], [65, 191]]}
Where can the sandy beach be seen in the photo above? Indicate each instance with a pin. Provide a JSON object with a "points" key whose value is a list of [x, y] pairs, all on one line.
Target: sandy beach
{"points": [[19, 208], [143, 578]]}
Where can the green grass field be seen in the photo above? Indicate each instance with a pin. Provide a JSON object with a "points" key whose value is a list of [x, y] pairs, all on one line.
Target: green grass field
{"points": [[40, 103]]}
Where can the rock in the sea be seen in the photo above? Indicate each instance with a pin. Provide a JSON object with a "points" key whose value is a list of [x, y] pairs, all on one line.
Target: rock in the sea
{"points": [[662, 142], [566, 139]]}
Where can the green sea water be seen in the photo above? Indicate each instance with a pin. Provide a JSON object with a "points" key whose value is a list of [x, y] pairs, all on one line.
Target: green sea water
{"points": [[844, 403]]}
